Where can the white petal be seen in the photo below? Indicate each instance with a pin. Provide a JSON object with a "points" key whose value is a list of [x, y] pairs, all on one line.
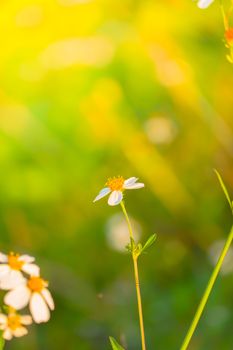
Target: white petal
{"points": [[18, 298], [11, 280], [115, 198], [7, 334], [130, 181], [31, 269], [26, 320], [39, 309], [102, 193], [3, 258], [26, 258], [4, 269], [203, 4], [134, 186], [48, 298], [20, 331], [3, 319]]}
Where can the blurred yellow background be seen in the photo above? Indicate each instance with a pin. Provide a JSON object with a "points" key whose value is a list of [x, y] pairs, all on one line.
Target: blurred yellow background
{"points": [[96, 88]]}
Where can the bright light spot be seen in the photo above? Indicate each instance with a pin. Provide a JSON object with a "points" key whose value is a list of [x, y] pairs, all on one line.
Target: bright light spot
{"points": [[214, 252], [30, 16], [160, 130], [92, 51], [117, 232]]}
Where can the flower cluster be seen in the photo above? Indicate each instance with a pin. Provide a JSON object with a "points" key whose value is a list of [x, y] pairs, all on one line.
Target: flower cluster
{"points": [[20, 278]]}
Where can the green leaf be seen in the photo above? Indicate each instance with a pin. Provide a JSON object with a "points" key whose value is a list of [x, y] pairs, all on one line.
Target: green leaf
{"points": [[149, 242], [115, 345], [224, 189]]}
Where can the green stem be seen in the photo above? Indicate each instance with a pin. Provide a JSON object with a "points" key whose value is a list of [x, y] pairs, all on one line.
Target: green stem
{"points": [[136, 277], [207, 292], [2, 343]]}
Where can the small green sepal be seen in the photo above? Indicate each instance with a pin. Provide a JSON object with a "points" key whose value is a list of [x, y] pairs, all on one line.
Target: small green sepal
{"points": [[131, 246], [115, 345]]}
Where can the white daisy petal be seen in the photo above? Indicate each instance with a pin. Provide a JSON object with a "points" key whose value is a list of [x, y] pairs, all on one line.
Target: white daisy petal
{"points": [[203, 4], [130, 181], [102, 193], [26, 320], [20, 331], [3, 258], [18, 298], [7, 334], [39, 309], [3, 319], [31, 269], [48, 298], [27, 258], [115, 198], [135, 186], [4, 268], [11, 280]]}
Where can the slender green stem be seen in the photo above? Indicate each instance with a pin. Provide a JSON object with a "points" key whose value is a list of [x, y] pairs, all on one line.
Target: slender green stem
{"points": [[207, 292], [2, 342], [127, 219], [137, 283]]}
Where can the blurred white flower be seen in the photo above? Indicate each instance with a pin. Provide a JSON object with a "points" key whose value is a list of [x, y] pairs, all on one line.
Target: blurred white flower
{"points": [[117, 233], [116, 186], [203, 4], [11, 268], [160, 130], [12, 325], [35, 293]]}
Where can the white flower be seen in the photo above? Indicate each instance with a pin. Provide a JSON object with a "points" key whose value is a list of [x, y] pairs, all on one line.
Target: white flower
{"points": [[11, 268], [203, 4], [35, 293], [116, 186], [12, 325]]}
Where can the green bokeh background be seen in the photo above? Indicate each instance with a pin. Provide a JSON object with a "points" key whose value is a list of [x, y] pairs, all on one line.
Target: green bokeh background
{"points": [[93, 89]]}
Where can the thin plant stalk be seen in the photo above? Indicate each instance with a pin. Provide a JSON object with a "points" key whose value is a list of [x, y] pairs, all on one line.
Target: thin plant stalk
{"points": [[136, 277], [2, 343], [207, 292]]}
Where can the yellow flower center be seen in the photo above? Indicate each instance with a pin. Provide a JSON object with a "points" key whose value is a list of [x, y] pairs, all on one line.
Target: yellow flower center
{"points": [[116, 183], [14, 321], [36, 284], [14, 262]]}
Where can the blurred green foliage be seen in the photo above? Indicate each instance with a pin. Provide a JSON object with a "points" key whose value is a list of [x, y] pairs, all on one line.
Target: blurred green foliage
{"points": [[92, 89]]}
